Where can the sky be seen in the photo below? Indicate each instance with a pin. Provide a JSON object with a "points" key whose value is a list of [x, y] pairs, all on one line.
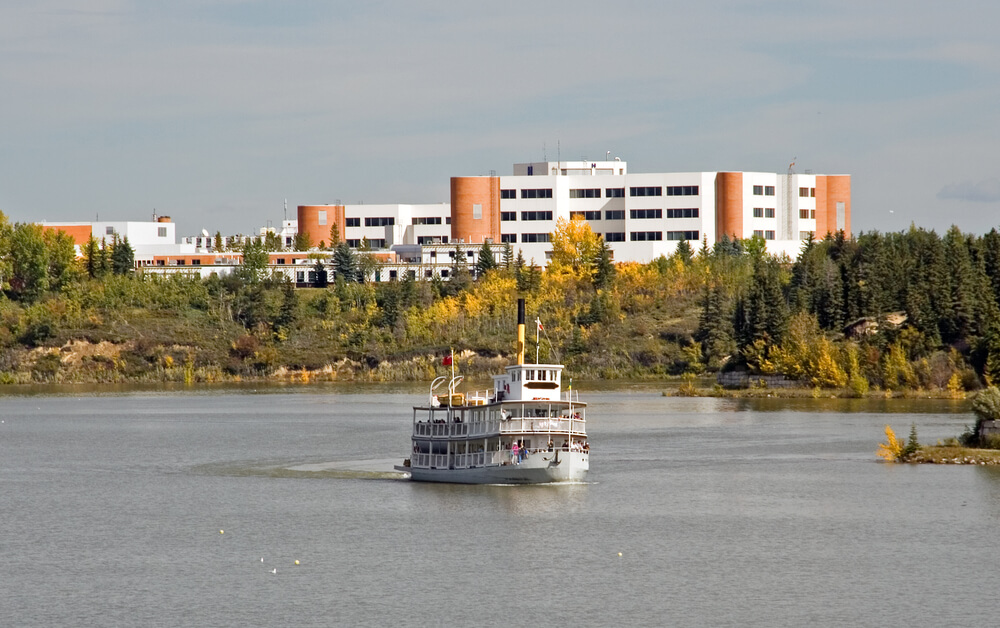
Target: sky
{"points": [[214, 112]]}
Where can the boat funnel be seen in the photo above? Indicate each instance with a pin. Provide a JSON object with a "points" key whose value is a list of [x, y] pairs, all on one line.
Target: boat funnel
{"points": [[520, 331]]}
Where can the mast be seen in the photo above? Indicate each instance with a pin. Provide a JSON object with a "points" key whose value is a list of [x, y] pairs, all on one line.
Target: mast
{"points": [[520, 331]]}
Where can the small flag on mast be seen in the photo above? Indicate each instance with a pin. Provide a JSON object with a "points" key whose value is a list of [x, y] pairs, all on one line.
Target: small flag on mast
{"points": [[446, 361], [539, 321]]}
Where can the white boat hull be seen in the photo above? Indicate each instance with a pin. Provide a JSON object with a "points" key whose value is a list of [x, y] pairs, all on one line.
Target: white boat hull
{"points": [[538, 468]]}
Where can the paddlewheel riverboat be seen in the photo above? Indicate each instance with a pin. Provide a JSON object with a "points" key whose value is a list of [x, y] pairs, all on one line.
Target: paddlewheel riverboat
{"points": [[526, 430]]}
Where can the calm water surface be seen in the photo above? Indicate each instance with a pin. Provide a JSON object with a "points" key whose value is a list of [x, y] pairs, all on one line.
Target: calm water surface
{"points": [[726, 513]]}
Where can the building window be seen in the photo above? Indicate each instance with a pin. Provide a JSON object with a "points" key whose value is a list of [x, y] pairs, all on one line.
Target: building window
{"points": [[428, 220], [380, 222], [508, 216], [682, 190], [768, 235], [541, 193], [614, 236], [646, 213], [812, 192], [161, 232], [180, 262], [758, 190], [804, 214], [585, 193], [541, 215], [768, 190], [352, 222], [393, 275], [378, 243], [589, 215], [812, 214], [645, 236], [281, 260], [429, 240], [447, 220], [508, 237], [614, 192], [758, 233], [477, 211], [768, 212], [196, 262], [683, 235], [321, 216], [803, 192], [428, 274], [804, 235], [508, 194], [758, 212], [687, 212], [646, 191], [534, 237], [614, 214], [353, 243], [109, 231]]}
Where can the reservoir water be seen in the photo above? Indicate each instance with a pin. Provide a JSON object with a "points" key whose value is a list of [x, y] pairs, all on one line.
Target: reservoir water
{"points": [[724, 513]]}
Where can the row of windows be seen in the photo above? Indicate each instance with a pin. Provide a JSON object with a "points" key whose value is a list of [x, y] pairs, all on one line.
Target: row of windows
{"points": [[807, 214], [380, 222], [541, 193], [672, 190], [428, 220], [766, 234], [646, 191], [682, 190], [807, 192], [534, 237], [618, 236], [683, 235], [763, 190], [611, 214], [763, 212], [539, 215], [352, 222], [614, 236]]}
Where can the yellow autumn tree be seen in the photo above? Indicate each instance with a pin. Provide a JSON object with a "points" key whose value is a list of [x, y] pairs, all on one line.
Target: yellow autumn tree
{"points": [[892, 450], [574, 245]]}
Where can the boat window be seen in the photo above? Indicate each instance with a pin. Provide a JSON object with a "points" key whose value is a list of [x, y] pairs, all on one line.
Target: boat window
{"points": [[529, 374], [541, 375]]}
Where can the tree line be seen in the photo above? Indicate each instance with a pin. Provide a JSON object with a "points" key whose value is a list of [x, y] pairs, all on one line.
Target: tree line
{"points": [[892, 311]]}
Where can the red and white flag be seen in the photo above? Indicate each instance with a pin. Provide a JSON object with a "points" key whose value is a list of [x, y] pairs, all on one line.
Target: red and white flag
{"points": [[539, 321], [446, 361]]}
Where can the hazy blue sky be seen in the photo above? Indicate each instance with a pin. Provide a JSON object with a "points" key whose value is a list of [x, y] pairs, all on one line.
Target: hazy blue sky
{"points": [[215, 111]]}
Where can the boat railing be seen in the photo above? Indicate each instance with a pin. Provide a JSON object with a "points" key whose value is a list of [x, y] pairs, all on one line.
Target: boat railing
{"points": [[543, 424], [444, 461], [477, 428]]}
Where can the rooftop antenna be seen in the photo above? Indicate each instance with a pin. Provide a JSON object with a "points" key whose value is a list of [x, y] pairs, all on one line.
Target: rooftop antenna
{"points": [[559, 151], [286, 209], [545, 154]]}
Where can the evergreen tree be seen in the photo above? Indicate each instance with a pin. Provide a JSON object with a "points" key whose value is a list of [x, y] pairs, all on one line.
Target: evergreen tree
{"points": [[122, 257], [91, 259], [322, 279], [520, 274], [334, 235], [761, 313], [683, 252], [486, 261], [345, 266], [604, 268], [508, 256], [218, 245], [460, 278], [103, 259]]}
